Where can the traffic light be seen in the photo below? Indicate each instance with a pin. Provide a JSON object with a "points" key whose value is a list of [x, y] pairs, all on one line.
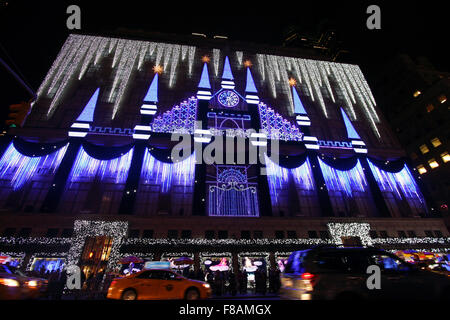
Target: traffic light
{"points": [[18, 114]]}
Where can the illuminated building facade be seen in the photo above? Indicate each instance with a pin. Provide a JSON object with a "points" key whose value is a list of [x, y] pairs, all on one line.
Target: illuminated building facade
{"points": [[91, 177]]}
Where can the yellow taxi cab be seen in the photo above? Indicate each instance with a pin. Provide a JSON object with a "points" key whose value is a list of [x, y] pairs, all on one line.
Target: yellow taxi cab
{"points": [[157, 284]]}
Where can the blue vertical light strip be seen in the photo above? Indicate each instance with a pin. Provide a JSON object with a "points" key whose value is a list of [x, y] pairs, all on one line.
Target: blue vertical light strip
{"points": [[397, 183], [87, 115], [204, 79], [168, 174], [278, 178], [250, 84], [86, 168], [345, 181], [152, 92], [227, 74], [351, 132], [298, 105], [20, 169]]}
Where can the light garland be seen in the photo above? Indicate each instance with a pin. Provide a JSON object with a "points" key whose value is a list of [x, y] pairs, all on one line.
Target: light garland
{"points": [[361, 230]]}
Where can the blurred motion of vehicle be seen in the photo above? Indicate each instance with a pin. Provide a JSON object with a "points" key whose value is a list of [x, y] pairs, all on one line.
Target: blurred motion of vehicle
{"points": [[157, 284], [15, 285], [326, 273]]}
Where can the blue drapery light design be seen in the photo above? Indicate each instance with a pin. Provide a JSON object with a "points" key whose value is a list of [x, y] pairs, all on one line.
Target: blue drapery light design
{"points": [[346, 181], [166, 174], [23, 168], [278, 177], [398, 183], [87, 167]]}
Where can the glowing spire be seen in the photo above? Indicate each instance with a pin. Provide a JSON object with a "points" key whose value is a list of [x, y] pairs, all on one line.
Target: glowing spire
{"points": [[298, 105], [351, 132], [250, 86], [204, 80], [227, 70], [87, 115], [152, 93]]}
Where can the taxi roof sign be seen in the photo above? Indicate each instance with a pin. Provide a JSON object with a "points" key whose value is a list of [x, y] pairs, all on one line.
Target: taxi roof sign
{"points": [[157, 265]]}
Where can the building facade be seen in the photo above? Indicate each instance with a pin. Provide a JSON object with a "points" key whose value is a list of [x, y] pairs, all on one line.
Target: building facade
{"points": [[98, 171]]}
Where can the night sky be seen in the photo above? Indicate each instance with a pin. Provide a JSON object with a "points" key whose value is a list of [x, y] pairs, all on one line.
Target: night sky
{"points": [[31, 34]]}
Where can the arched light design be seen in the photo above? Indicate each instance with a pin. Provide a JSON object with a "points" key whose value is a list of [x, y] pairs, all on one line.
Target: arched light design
{"points": [[276, 126], [23, 168], [180, 118], [347, 181], [86, 168], [167, 174], [278, 177], [399, 183]]}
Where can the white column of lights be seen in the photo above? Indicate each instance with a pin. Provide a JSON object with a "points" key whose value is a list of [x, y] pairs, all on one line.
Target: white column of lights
{"points": [[112, 45], [285, 84], [142, 53], [239, 56], [227, 75], [174, 63], [315, 82], [168, 49], [260, 59], [89, 56], [184, 50], [191, 58], [270, 75], [117, 230], [216, 57], [101, 49], [118, 52], [152, 48], [81, 126], [354, 229], [251, 93], [358, 145]]}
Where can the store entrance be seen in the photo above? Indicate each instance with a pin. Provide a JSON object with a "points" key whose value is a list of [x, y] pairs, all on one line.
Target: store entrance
{"points": [[95, 255]]}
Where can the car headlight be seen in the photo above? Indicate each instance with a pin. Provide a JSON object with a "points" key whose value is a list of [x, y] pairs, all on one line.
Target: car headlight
{"points": [[206, 285], [9, 282], [33, 283]]}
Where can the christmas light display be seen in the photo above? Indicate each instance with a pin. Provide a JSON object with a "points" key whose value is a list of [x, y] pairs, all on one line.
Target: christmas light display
{"points": [[87, 168], [20, 169], [347, 181], [180, 118], [276, 126], [360, 230], [168, 174], [401, 184]]}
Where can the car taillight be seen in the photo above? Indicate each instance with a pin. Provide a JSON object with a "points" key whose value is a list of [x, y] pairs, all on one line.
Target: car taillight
{"points": [[307, 276]]}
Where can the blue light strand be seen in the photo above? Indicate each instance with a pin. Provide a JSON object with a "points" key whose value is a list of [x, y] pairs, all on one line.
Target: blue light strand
{"points": [[87, 167], [23, 168], [168, 174], [346, 181], [278, 177], [395, 182]]}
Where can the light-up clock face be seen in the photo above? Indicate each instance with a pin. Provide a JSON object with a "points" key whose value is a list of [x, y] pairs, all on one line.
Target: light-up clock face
{"points": [[228, 98]]}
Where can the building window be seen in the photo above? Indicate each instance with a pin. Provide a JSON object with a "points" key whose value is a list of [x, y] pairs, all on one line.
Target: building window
{"points": [[67, 233], [172, 234], [291, 234], [424, 149], [24, 233], [209, 234], [430, 108], [433, 163], [428, 233], [384, 234], [52, 233], [134, 233], [442, 98], [411, 234], [438, 233], [148, 234], [436, 142], [312, 234], [222, 234], [414, 156], [421, 169], [417, 93], [373, 234], [257, 234], [323, 235], [402, 234], [445, 157], [279, 234], [186, 234], [245, 234]]}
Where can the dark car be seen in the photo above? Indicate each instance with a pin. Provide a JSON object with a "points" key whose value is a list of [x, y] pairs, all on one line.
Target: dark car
{"points": [[16, 285], [341, 273]]}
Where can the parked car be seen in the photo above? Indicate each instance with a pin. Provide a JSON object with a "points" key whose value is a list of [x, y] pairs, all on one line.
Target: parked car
{"points": [[341, 273], [15, 285], [157, 284]]}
